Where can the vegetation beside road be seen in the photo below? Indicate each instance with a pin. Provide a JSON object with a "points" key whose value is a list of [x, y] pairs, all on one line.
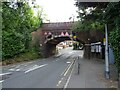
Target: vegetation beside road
{"points": [[113, 14], [22, 57], [18, 21]]}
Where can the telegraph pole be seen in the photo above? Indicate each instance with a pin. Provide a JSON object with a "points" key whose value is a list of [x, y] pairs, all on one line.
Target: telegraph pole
{"points": [[107, 71]]}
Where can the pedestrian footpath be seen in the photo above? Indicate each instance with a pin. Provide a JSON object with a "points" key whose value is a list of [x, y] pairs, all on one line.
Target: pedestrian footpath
{"points": [[91, 75]]}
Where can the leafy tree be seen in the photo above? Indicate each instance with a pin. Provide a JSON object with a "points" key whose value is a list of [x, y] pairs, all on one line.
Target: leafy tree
{"points": [[112, 16], [18, 23], [90, 15], [102, 12], [115, 42]]}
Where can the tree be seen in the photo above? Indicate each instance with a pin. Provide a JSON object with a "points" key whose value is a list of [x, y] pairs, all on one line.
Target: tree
{"points": [[90, 15], [103, 12], [112, 16], [18, 23]]}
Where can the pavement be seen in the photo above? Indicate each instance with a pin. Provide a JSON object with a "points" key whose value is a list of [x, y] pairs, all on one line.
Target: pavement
{"points": [[91, 75]]}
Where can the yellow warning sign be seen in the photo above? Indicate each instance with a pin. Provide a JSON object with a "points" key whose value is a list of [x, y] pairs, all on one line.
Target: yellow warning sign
{"points": [[104, 39], [74, 37]]}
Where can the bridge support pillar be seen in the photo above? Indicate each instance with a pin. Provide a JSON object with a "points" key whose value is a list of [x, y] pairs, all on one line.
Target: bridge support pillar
{"points": [[48, 50], [87, 52]]}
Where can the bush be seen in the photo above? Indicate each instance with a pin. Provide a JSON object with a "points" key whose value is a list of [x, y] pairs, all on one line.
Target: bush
{"points": [[26, 56], [115, 42], [18, 23], [12, 44]]}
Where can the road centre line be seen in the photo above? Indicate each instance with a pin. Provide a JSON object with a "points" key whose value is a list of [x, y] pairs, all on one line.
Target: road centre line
{"points": [[65, 70], [69, 77], [65, 73], [68, 69], [34, 68]]}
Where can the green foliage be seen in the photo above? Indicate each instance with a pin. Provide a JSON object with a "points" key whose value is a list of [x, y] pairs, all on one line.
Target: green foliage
{"points": [[26, 56], [115, 42], [12, 44], [90, 19], [99, 14], [18, 23], [87, 25], [112, 15]]}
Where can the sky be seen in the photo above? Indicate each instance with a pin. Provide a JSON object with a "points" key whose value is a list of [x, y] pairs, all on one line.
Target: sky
{"points": [[58, 10]]}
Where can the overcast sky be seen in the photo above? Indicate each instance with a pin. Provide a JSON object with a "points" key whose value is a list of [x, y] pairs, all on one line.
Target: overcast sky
{"points": [[58, 10]]}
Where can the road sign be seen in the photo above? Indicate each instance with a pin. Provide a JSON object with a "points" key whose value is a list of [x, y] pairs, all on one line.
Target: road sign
{"points": [[74, 37], [104, 40]]}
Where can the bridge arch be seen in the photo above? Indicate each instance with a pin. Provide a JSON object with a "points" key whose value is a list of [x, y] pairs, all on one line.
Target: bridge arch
{"points": [[50, 45]]}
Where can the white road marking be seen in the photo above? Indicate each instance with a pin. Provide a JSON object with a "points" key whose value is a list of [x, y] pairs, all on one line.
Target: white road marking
{"points": [[34, 68], [1, 81], [65, 70], [18, 70], [59, 82], [12, 69], [68, 62], [67, 81], [69, 78], [68, 69], [5, 73]]}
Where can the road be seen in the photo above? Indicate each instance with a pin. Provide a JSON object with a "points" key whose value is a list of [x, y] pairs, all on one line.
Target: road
{"points": [[51, 72]]}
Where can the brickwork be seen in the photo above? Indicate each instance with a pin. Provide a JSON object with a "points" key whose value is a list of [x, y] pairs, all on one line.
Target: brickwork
{"points": [[53, 29]]}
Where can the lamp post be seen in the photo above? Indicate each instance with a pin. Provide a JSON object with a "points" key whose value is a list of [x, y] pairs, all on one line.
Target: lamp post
{"points": [[107, 71]]}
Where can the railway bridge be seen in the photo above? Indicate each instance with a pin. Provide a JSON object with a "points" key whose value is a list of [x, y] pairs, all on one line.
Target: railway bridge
{"points": [[51, 34]]}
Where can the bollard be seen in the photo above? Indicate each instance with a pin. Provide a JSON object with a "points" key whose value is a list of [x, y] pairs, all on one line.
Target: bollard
{"points": [[78, 66]]}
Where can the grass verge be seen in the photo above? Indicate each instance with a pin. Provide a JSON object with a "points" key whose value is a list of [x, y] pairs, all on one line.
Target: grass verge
{"points": [[23, 57]]}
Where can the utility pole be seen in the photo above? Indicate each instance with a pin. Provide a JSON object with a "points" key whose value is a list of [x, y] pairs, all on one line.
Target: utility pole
{"points": [[107, 71]]}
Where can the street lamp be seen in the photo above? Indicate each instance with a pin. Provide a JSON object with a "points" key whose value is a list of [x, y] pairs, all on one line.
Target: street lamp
{"points": [[107, 71]]}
